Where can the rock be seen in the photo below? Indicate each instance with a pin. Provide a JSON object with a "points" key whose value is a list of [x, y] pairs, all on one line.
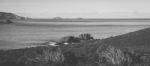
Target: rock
{"points": [[53, 44], [50, 43], [65, 43]]}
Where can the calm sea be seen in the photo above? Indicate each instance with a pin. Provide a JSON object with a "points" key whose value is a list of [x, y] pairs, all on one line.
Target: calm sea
{"points": [[23, 34]]}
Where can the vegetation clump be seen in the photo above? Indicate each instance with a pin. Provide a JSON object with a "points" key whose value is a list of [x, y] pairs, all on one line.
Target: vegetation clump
{"points": [[74, 39], [70, 39], [86, 36], [116, 56], [54, 55]]}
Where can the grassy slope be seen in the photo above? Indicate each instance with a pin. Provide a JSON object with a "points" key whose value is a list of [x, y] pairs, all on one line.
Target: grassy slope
{"points": [[138, 41], [84, 52], [137, 38]]}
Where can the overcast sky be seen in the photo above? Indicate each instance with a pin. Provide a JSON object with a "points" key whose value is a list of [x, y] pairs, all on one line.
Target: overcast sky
{"points": [[78, 8]]}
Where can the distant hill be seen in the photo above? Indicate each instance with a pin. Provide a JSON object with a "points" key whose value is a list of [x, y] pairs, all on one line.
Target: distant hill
{"points": [[6, 18], [5, 15]]}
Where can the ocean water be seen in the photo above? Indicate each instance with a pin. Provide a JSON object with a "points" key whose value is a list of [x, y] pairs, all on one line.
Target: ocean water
{"points": [[20, 35]]}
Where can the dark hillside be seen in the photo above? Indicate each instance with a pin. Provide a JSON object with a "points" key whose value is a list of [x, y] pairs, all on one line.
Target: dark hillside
{"points": [[137, 38], [7, 18], [5, 15], [138, 41]]}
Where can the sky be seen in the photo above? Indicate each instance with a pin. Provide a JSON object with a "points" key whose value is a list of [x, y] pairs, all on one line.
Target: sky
{"points": [[78, 8]]}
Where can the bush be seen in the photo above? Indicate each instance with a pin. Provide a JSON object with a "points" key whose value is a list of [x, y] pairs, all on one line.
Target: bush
{"points": [[111, 55], [85, 36], [70, 39], [54, 55], [73, 39]]}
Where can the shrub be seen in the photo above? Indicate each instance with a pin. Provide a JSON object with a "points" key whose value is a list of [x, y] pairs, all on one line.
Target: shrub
{"points": [[111, 55], [70, 39], [54, 55], [85, 36]]}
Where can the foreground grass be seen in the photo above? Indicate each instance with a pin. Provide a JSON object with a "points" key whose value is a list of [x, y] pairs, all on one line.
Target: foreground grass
{"points": [[80, 54]]}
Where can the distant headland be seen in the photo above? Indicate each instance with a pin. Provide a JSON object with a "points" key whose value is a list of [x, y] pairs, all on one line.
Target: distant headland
{"points": [[4, 17]]}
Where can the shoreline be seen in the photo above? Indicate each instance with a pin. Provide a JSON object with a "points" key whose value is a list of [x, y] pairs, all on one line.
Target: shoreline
{"points": [[84, 20]]}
